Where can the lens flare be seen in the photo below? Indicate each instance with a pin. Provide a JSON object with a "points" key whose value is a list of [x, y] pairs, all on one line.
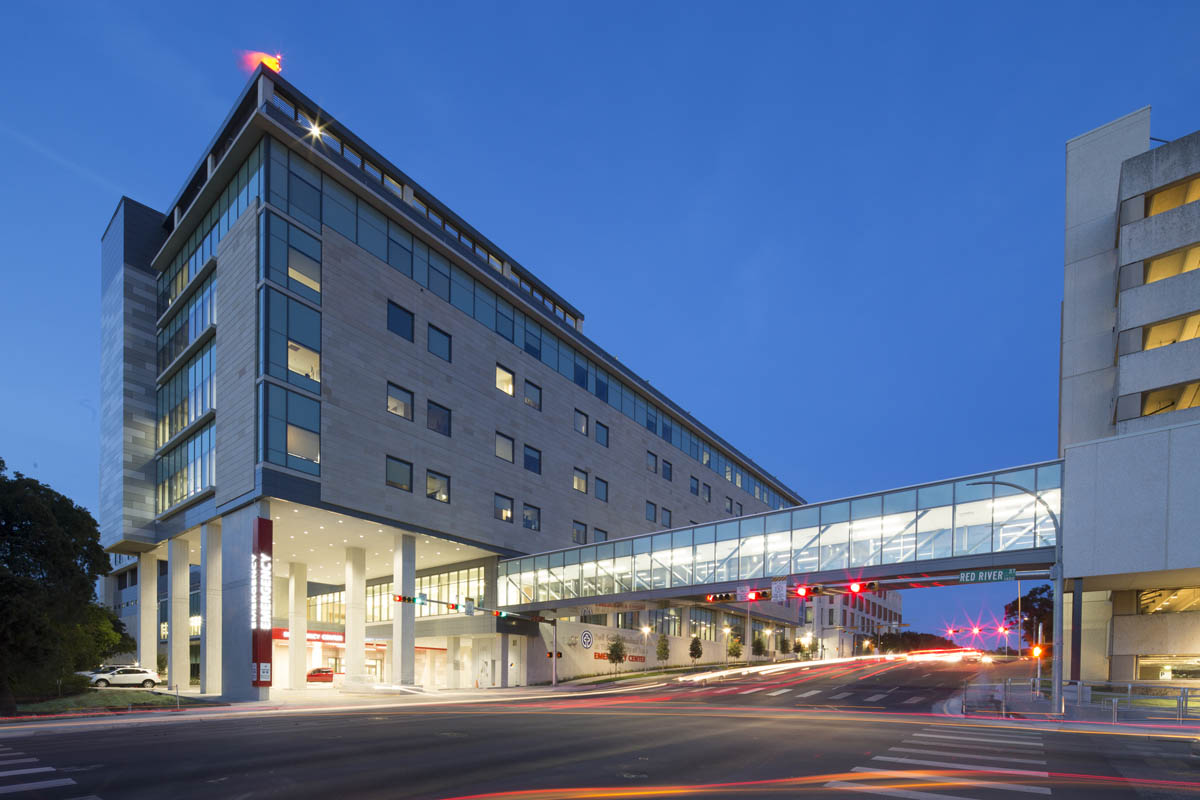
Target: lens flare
{"points": [[251, 60]]}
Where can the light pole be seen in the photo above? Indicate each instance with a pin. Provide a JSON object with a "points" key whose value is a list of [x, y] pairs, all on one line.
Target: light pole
{"points": [[645, 646], [727, 630], [767, 640], [1056, 575]]}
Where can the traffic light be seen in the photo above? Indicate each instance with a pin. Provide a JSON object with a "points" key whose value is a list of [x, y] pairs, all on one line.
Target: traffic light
{"points": [[863, 586], [724, 597], [499, 613], [758, 594], [809, 591], [452, 606], [1037, 651], [557, 655]]}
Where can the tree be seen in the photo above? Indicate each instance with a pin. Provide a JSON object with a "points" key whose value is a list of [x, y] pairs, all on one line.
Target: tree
{"points": [[785, 646], [50, 558], [758, 647], [695, 650], [735, 648], [662, 650], [616, 652], [911, 640], [1037, 605], [98, 636]]}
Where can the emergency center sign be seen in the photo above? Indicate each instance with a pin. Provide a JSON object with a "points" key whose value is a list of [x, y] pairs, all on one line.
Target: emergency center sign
{"points": [[261, 547]]}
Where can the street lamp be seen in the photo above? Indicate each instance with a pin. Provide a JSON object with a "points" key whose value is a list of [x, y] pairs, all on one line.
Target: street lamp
{"points": [[645, 651], [728, 630]]}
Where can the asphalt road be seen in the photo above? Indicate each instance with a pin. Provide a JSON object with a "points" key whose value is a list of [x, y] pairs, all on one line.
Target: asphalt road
{"points": [[747, 738]]}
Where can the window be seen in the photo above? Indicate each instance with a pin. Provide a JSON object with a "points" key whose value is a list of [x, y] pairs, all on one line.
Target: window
{"points": [[651, 512], [504, 447], [290, 428], [531, 517], [1173, 197], [578, 532], [533, 396], [1171, 264], [602, 489], [437, 486], [290, 346], [707, 493], [439, 343], [739, 509], [599, 535], [667, 470], [400, 401], [291, 258], [400, 321], [581, 422], [666, 517], [579, 481], [651, 461], [437, 418], [505, 380], [399, 474], [503, 508], [601, 434], [728, 505], [1180, 329], [694, 486], [533, 460]]}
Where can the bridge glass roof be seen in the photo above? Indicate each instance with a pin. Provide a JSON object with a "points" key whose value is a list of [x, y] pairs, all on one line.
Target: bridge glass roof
{"points": [[969, 516]]}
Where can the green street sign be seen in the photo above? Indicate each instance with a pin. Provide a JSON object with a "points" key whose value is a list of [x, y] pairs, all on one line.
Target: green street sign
{"points": [[987, 575]]}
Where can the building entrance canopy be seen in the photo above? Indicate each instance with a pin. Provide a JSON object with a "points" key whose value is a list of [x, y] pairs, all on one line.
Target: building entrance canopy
{"points": [[924, 530]]}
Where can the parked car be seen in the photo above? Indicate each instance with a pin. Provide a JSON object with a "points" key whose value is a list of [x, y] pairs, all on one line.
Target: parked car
{"points": [[127, 676], [100, 670], [320, 675]]}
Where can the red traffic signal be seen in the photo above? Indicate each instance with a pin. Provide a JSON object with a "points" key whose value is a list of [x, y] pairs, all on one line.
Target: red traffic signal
{"points": [[724, 597], [856, 587], [452, 606], [753, 595]]}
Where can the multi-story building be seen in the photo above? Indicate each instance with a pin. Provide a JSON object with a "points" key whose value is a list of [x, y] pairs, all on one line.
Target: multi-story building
{"points": [[1129, 415], [320, 387], [850, 624]]}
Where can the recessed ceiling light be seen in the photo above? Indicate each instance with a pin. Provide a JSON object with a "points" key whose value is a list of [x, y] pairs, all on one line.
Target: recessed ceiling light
{"points": [[339, 522], [293, 536], [322, 527], [295, 511]]}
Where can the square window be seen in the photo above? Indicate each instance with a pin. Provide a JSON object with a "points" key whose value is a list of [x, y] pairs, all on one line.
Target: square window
{"points": [[505, 380], [400, 321], [599, 535], [400, 401], [531, 517], [579, 481], [399, 474], [667, 470], [504, 447], [602, 489], [437, 418], [439, 343], [533, 396], [666, 517], [437, 486], [651, 461], [581, 422], [601, 434], [728, 505], [578, 532], [503, 508], [694, 486], [533, 459], [707, 493], [651, 512]]}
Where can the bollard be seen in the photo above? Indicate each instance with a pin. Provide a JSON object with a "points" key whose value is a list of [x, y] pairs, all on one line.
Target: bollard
{"points": [[1004, 699], [1115, 700]]}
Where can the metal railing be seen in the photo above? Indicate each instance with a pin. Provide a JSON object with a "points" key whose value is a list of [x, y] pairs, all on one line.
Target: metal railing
{"points": [[1090, 701]]}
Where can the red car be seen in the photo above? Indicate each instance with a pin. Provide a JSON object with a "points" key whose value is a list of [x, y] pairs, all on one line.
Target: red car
{"points": [[321, 675]]}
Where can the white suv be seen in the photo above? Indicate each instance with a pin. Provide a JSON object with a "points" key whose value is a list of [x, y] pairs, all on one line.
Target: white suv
{"points": [[127, 676]]}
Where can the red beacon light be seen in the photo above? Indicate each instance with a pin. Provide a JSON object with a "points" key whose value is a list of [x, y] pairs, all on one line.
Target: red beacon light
{"points": [[801, 591], [752, 595], [856, 587]]}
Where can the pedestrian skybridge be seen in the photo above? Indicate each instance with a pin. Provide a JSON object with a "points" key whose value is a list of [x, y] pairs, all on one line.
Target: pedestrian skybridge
{"points": [[919, 533]]}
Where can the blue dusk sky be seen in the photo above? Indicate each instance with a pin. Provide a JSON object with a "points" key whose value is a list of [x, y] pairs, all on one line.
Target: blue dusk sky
{"points": [[833, 232]]}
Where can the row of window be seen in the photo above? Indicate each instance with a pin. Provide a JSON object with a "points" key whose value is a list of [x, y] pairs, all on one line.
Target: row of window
{"points": [[187, 324], [579, 533], [652, 514], [1159, 334], [1158, 401], [187, 396], [581, 426], [290, 347], [186, 470], [506, 382], [361, 223], [401, 322], [398, 473]]}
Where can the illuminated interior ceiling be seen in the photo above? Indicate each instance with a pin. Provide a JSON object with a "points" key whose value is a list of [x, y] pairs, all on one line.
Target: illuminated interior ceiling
{"points": [[1172, 331], [1174, 600]]}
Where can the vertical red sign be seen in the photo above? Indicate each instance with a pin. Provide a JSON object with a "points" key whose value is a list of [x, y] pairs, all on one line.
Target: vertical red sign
{"points": [[261, 590]]}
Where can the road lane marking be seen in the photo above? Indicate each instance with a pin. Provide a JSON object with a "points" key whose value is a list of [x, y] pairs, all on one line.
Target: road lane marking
{"points": [[875, 697], [27, 771], [908, 794], [925, 776], [810, 693], [972, 746], [16, 761], [912, 700], [752, 691], [970, 755], [920, 762], [778, 692], [969, 738], [840, 695], [28, 787], [999, 732], [726, 691]]}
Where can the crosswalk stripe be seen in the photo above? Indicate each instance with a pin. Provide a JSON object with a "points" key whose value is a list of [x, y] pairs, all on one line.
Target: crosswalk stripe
{"points": [[972, 746], [875, 697], [960, 755], [16, 761], [809, 693], [752, 691], [1036, 735], [908, 794], [28, 787], [26, 771], [778, 692], [840, 695], [951, 765], [966, 737], [912, 700], [726, 691], [925, 776]]}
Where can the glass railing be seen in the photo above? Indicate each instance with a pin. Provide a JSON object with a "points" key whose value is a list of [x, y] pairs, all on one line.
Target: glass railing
{"points": [[993, 512]]}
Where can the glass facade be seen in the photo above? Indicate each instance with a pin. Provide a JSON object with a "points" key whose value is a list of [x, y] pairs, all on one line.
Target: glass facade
{"points": [[187, 324], [968, 516], [291, 340], [186, 470], [290, 433], [186, 396]]}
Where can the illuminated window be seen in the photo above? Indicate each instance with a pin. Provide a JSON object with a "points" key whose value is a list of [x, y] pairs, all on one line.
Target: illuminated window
{"points": [[503, 508], [400, 401], [1172, 398], [505, 380], [399, 474], [290, 428], [504, 447], [580, 481], [1173, 197], [291, 339], [1175, 330], [437, 486], [292, 258], [1172, 264]]}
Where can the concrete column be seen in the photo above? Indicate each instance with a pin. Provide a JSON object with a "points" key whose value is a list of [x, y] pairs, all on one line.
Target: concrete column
{"points": [[404, 615], [147, 636], [452, 665], [1076, 628], [503, 659], [297, 625], [210, 607], [178, 630], [236, 652], [356, 611]]}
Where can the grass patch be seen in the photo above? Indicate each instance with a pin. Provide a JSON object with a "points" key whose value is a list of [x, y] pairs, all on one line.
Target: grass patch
{"points": [[107, 700]]}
